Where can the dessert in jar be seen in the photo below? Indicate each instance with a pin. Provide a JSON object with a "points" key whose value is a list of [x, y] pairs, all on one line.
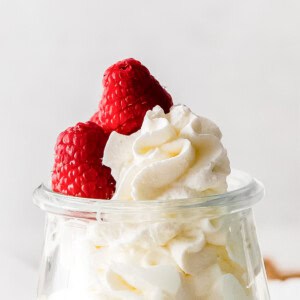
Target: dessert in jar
{"points": [[143, 204]]}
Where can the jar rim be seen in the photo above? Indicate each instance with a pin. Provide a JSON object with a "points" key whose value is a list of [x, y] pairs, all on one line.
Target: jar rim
{"points": [[243, 192]]}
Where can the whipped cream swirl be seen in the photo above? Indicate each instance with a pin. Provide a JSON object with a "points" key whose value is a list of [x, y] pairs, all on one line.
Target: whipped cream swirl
{"points": [[174, 155]]}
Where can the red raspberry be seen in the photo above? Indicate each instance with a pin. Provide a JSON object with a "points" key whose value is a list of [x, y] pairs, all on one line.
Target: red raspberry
{"points": [[78, 169], [129, 92]]}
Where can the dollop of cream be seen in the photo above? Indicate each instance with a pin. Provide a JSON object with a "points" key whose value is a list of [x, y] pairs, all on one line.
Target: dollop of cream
{"points": [[173, 156]]}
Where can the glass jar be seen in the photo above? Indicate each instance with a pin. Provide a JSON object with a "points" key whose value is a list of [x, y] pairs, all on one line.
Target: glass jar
{"points": [[203, 248]]}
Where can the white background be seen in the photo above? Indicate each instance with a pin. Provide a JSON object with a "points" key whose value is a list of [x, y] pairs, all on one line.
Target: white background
{"points": [[236, 62]]}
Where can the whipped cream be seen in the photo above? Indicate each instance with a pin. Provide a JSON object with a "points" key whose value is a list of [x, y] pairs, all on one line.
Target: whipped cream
{"points": [[159, 260], [173, 156], [181, 255]]}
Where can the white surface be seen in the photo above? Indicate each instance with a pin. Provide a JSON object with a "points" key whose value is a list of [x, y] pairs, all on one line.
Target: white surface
{"points": [[285, 290], [236, 62]]}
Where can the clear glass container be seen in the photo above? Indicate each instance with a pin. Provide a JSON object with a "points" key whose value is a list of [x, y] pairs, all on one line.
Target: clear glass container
{"points": [[203, 248]]}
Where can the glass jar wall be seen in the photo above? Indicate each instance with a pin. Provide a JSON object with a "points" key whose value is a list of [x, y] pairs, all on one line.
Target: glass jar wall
{"points": [[202, 248]]}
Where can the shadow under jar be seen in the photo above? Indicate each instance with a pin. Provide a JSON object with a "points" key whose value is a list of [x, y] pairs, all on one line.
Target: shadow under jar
{"points": [[204, 248]]}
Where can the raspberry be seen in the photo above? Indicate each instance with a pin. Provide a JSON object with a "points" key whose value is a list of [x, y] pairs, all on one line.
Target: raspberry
{"points": [[78, 169], [129, 92]]}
